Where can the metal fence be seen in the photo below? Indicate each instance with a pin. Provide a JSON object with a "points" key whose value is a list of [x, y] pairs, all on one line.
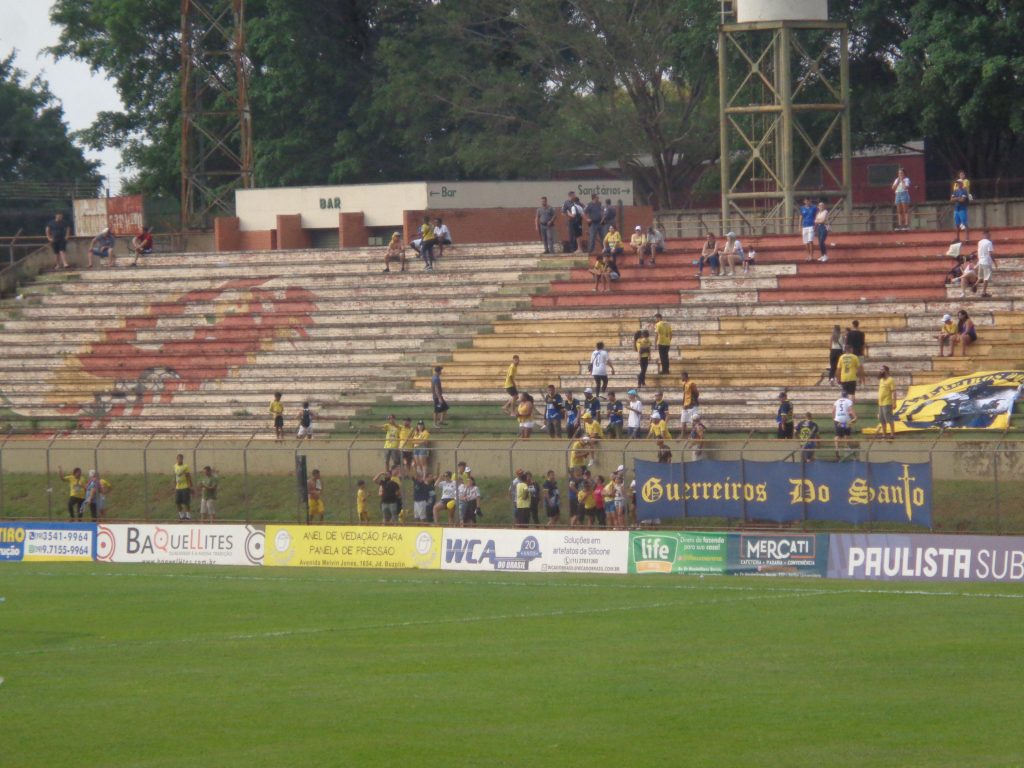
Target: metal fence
{"points": [[978, 485]]}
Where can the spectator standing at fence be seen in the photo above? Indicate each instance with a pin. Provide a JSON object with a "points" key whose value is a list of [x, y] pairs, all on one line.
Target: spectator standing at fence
{"points": [[405, 445], [572, 408], [101, 502], [305, 422], [843, 416], [664, 452], [469, 501], [510, 387], [437, 392], [57, 233], [986, 262], [554, 412], [362, 513], [573, 211], [613, 408], [315, 498], [422, 509], [634, 414], [449, 497], [92, 494], [642, 344], [663, 338], [960, 199], [807, 434], [208, 484], [102, 246], [697, 438], [886, 403], [835, 351], [76, 491], [573, 489], [966, 333], [784, 418], [600, 365], [901, 188], [142, 245], [545, 219], [392, 456], [182, 488], [420, 441], [277, 411], [592, 214], [390, 492], [550, 498], [807, 214], [850, 371], [520, 492]]}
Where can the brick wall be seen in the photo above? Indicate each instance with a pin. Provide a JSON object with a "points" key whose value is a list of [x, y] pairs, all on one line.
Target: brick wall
{"points": [[226, 234], [290, 234], [352, 232], [506, 225]]}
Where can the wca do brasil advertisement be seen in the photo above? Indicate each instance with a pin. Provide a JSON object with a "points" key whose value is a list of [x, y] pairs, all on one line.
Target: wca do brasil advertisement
{"points": [[849, 492]]}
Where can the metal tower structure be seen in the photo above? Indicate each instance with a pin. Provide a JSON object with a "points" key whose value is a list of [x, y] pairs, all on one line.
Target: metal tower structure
{"points": [[216, 128], [784, 112]]}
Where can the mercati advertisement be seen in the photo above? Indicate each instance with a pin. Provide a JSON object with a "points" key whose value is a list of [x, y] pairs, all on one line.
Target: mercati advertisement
{"points": [[47, 541], [678, 552], [980, 401], [180, 543], [779, 491], [925, 557], [766, 554], [327, 546], [534, 551]]}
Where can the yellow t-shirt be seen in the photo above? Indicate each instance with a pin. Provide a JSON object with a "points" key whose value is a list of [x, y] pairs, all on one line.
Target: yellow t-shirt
{"points": [[688, 388], [522, 496], [404, 433], [510, 376], [613, 240], [76, 486], [419, 439], [390, 435], [181, 477], [637, 241], [578, 454], [659, 429], [663, 332], [593, 429], [427, 231], [276, 407], [643, 346], [887, 391], [586, 498], [361, 502], [524, 412], [948, 329], [849, 367]]}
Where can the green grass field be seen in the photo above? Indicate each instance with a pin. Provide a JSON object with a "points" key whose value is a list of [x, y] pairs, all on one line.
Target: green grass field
{"points": [[179, 666]]}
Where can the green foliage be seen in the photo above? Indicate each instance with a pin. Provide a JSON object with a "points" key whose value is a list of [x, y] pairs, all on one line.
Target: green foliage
{"points": [[35, 146]]}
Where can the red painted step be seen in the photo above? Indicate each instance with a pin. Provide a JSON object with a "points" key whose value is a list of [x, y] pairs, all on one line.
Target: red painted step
{"points": [[816, 295]]}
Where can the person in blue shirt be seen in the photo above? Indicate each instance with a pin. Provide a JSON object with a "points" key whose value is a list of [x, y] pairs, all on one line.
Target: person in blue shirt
{"points": [[807, 214], [571, 406], [660, 406], [960, 198], [614, 411], [591, 403], [554, 411]]}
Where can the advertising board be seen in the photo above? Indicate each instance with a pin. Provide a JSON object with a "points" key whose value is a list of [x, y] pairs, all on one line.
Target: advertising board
{"points": [[925, 557], [534, 551], [678, 552], [47, 541], [771, 554], [327, 546], [180, 543]]}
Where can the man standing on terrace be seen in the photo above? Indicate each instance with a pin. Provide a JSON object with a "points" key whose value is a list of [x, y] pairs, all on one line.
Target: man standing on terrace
{"points": [[986, 263], [595, 233], [857, 340], [573, 211], [545, 220], [510, 387], [807, 214], [663, 338]]}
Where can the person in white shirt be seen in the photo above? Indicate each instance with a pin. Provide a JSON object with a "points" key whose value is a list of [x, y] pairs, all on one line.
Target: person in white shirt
{"points": [[986, 262], [600, 364], [442, 234], [634, 415], [843, 416], [901, 186], [732, 254]]}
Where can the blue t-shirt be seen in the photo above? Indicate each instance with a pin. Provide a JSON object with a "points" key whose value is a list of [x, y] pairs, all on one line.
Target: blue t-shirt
{"points": [[593, 211], [572, 410], [615, 412], [960, 200], [807, 214], [554, 407], [660, 407], [593, 405]]}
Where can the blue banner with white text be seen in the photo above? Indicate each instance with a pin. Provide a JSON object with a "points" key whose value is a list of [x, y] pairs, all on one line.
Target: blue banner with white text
{"points": [[849, 492]]}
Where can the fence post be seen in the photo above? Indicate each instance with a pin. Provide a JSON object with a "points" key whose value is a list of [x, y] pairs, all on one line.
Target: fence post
{"points": [[245, 475], [867, 470], [145, 478], [49, 485], [743, 473], [995, 483]]}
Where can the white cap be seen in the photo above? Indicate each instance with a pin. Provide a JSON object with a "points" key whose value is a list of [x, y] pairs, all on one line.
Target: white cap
{"points": [[468, 470], [586, 439], [638, 228], [588, 391], [92, 473], [730, 234], [947, 317], [622, 468]]}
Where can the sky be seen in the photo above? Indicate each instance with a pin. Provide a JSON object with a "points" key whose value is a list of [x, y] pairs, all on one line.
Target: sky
{"points": [[25, 26]]}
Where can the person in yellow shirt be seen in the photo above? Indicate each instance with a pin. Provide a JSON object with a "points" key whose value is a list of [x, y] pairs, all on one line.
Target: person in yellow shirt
{"points": [[659, 429], [277, 411], [363, 515], [395, 252], [510, 387], [886, 402], [427, 243], [947, 334], [849, 371], [579, 452], [637, 242], [663, 338], [613, 241], [524, 413], [76, 491], [601, 272], [588, 500], [392, 456], [420, 450], [315, 494], [405, 445], [183, 488], [592, 428]]}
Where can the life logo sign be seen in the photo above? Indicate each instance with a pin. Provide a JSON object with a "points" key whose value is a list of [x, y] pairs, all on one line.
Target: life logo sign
{"points": [[200, 545], [654, 554], [495, 551]]}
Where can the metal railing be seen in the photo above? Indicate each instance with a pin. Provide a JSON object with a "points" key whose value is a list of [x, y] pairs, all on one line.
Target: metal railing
{"points": [[978, 485]]}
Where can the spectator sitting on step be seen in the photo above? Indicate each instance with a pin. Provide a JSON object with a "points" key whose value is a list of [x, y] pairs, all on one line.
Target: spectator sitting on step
{"points": [[103, 246], [638, 242], [709, 257], [966, 333], [732, 254], [443, 235], [142, 244], [394, 251], [748, 260], [655, 242], [969, 276], [947, 333], [613, 241]]}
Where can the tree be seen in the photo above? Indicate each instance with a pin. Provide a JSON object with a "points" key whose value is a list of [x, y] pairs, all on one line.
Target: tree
{"points": [[39, 161]]}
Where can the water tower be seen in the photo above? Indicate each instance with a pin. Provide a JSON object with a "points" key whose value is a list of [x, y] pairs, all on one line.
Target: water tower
{"points": [[784, 109]]}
